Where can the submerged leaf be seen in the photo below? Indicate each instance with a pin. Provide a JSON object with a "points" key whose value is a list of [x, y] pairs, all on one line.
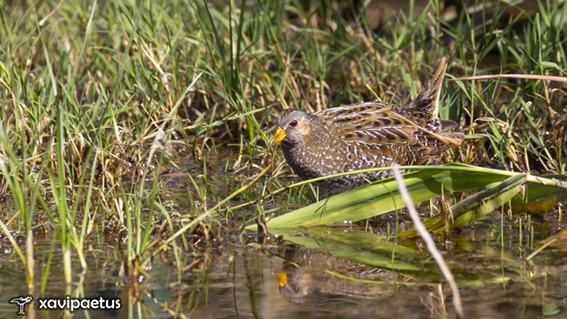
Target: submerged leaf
{"points": [[358, 246], [557, 240], [376, 251], [540, 198]]}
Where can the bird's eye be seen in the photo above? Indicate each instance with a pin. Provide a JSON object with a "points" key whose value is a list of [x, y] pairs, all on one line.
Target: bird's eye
{"points": [[293, 123]]}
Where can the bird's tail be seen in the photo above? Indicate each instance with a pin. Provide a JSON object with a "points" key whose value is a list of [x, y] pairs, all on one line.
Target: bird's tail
{"points": [[427, 100]]}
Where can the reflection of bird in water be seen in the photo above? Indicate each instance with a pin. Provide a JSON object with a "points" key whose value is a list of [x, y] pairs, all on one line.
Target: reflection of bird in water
{"points": [[433, 298], [295, 288], [306, 272]]}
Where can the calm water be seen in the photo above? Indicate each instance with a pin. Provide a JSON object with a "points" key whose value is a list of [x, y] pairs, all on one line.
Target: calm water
{"points": [[329, 273], [239, 279]]}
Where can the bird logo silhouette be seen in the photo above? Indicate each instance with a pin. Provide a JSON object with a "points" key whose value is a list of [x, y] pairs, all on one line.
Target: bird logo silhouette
{"points": [[22, 301]]}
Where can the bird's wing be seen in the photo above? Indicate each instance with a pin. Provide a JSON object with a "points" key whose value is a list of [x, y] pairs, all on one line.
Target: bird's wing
{"points": [[394, 138]]}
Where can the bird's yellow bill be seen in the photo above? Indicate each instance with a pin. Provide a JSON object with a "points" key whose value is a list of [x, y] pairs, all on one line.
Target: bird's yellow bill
{"points": [[281, 277], [280, 136]]}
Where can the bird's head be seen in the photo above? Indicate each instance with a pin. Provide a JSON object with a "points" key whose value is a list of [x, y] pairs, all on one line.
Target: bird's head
{"points": [[294, 126]]}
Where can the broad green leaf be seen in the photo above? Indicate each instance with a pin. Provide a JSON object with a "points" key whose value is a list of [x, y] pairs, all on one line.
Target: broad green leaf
{"points": [[382, 196], [476, 206]]}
